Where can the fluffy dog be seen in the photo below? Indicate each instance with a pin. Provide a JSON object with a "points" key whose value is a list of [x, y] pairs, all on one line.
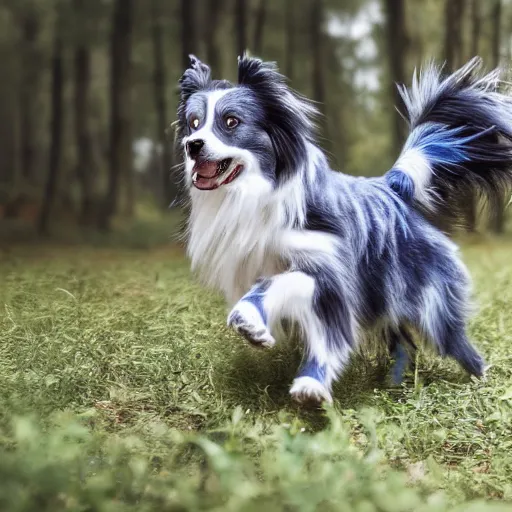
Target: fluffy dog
{"points": [[284, 237]]}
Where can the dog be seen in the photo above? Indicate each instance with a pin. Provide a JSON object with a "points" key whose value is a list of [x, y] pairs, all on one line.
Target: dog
{"points": [[288, 240]]}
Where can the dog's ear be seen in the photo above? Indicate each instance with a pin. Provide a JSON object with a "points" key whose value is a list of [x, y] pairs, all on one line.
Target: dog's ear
{"points": [[289, 116], [196, 78], [255, 72]]}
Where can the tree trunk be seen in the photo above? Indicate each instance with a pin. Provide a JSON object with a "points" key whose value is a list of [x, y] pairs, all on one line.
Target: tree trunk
{"points": [[120, 155], [461, 16], [454, 58], [317, 69], [188, 31], [318, 75], [498, 221], [82, 88], [337, 107], [290, 39], [496, 33], [453, 42], [476, 25], [261, 15], [508, 32], [30, 29], [9, 114], [159, 85], [240, 26], [213, 15], [449, 35], [397, 50], [57, 100]]}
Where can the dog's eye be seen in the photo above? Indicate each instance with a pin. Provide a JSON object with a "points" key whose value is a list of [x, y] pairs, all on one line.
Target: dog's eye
{"points": [[231, 122], [193, 123]]}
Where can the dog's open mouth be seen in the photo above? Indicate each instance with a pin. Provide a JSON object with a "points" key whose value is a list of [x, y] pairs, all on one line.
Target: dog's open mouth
{"points": [[208, 174]]}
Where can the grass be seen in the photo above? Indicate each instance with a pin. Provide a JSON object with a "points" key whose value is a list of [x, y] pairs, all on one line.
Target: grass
{"points": [[121, 388]]}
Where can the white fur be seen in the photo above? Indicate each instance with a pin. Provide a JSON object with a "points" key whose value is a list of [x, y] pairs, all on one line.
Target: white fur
{"points": [[309, 390], [248, 230], [296, 242], [246, 319], [429, 83], [414, 163], [290, 296], [217, 148], [235, 231]]}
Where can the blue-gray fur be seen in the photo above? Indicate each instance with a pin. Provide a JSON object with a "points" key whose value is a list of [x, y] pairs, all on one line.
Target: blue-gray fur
{"points": [[251, 133], [389, 259], [393, 269], [401, 347], [463, 125], [261, 91], [256, 296], [312, 369]]}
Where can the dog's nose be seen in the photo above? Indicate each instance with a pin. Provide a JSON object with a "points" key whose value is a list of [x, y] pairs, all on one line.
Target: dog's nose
{"points": [[194, 147]]}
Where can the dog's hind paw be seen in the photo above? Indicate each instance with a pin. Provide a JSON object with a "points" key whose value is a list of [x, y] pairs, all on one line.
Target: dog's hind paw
{"points": [[309, 391], [247, 321]]}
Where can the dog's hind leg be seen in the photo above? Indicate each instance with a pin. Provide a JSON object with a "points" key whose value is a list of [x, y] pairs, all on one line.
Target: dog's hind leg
{"points": [[401, 345], [443, 322]]}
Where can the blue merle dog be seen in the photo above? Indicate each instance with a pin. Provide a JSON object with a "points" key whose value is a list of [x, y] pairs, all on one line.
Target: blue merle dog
{"points": [[284, 237]]}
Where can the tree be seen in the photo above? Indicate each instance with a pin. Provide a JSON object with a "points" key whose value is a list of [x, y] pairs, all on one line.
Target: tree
{"points": [[261, 14], [188, 31], [454, 55], [289, 50], [498, 221], [317, 69], [496, 33], [57, 102], [397, 50], [210, 25], [318, 81], [159, 84], [453, 41], [120, 152], [240, 28], [476, 25], [10, 105], [82, 90], [30, 27], [336, 106]]}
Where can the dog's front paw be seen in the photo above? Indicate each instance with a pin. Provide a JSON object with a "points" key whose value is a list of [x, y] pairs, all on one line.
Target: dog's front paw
{"points": [[309, 391], [246, 319]]}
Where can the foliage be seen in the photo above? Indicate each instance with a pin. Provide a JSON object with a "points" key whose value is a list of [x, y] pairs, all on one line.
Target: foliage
{"points": [[168, 410], [354, 65], [68, 466]]}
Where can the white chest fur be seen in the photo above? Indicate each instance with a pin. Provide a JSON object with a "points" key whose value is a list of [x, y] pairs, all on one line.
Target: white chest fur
{"points": [[235, 235], [231, 242]]}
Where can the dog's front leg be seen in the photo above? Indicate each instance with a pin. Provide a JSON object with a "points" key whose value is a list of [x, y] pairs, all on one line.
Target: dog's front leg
{"points": [[249, 316], [325, 326]]}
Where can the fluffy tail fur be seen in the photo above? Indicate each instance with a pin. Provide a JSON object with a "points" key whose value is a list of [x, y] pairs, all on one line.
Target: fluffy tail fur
{"points": [[460, 143]]}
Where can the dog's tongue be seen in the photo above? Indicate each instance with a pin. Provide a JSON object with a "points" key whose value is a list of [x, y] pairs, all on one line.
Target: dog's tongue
{"points": [[206, 169]]}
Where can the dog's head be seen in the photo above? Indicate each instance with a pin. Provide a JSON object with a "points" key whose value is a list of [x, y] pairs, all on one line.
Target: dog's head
{"points": [[257, 129]]}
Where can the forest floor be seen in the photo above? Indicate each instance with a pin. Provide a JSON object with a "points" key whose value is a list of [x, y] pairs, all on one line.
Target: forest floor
{"points": [[122, 389]]}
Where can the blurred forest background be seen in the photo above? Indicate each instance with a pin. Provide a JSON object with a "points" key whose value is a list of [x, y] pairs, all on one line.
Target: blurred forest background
{"points": [[89, 87]]}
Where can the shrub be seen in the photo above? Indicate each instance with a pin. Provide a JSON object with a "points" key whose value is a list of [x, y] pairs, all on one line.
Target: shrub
{"points": [[69, 465]]}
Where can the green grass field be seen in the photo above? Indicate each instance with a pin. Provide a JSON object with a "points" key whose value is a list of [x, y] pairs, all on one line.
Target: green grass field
{"points": [[122, 389]]}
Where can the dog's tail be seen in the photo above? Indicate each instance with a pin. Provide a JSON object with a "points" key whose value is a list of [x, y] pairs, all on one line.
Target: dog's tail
{"points": [[460, 143]]}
